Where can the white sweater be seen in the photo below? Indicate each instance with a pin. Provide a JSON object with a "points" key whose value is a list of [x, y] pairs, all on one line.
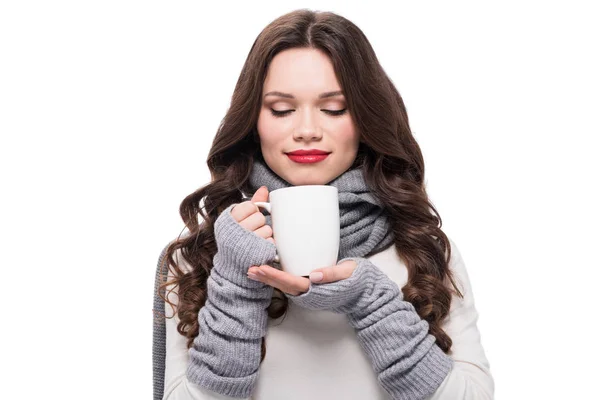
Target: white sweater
{"points": [[315, 354]]}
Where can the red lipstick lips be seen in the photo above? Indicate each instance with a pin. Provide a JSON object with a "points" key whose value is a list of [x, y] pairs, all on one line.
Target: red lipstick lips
{"points": [[307, 156]]}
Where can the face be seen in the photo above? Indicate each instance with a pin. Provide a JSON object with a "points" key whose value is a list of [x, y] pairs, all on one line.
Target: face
{"points": [[302, 111]]}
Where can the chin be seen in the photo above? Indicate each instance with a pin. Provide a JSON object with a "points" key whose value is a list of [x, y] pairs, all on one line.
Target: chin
{"points": [[309, 182], [308, 178], [299, 175]]}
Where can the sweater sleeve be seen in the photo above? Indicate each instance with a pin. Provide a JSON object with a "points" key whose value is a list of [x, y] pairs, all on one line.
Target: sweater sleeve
{"points": [[225, 357], [408, 363], [470, 378], [176, 384]]}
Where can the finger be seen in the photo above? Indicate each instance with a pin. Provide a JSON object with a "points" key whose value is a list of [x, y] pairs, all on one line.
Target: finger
{"points": [[254, 221], [334, 273], [255, 274], [264, 231], [247, 208], [243, 210], [284, 281], [262, 194]]}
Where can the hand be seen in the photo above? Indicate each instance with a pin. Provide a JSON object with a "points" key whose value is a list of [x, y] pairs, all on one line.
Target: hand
{"points": [[248, 215], [295, 285]]}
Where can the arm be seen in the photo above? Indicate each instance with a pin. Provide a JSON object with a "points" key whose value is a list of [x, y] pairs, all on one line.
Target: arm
{"points": [[384, 311], [177, 386], [408, 364], [225, 357], [470, 377]]}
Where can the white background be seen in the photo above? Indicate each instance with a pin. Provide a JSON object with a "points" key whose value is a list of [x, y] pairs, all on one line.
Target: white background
{"points": [[107, 112]]}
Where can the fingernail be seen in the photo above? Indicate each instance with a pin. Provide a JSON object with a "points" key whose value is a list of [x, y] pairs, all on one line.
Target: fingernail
{"points": [[252, 276], [260, 272], [316, 276]]}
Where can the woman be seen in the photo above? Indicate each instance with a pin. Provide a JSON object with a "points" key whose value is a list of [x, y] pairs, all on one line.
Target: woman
{"points": [[242, 328]]}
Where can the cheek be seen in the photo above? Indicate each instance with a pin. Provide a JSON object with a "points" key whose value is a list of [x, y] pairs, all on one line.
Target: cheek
{"points": [[262, 124], [267, 130], [346, 134]]}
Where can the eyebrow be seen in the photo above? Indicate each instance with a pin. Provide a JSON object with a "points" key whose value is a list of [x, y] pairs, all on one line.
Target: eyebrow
{"points": [[291, 96]]}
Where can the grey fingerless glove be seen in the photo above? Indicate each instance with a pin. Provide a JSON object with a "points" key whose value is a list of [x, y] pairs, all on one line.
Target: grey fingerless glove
{"points": [[225, 356], [408, 363]]}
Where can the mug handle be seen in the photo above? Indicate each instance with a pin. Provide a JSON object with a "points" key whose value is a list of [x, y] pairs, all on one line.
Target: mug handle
{"points": [[267, 206], [264, 204]]}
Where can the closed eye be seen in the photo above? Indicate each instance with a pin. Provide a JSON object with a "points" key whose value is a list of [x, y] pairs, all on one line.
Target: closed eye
{"points": [[330, 112]]}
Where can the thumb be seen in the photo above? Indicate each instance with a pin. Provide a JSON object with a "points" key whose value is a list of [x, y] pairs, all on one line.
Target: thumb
{"points": [[332, 274], [262, 194]]}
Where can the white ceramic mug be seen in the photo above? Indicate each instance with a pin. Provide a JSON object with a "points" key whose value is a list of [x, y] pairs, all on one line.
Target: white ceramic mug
{"points": [[306, 226]]}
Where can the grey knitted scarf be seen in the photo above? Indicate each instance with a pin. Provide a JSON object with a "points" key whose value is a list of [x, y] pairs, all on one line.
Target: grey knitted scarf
{"points": [[364, 230]]}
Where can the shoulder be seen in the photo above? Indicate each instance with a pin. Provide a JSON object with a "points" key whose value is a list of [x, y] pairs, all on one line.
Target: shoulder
{"points": [[463, 314], [458, 268], [171, 290], [177, 257]]}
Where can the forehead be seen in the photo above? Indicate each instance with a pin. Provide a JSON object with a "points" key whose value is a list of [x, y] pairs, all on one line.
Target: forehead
{"points": [[301, 72]]}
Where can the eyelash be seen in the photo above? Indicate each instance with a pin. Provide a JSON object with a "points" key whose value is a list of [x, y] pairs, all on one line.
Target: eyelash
{"points": [[334, 113]]}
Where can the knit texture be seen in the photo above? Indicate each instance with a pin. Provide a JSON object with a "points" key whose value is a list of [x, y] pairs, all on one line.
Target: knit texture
{"points": [[159, 341], [364, 226], [408, 363], [225, 356], [226, 353]]}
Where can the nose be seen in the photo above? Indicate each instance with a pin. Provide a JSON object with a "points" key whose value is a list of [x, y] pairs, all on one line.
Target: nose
{"points": [[308, 129]]}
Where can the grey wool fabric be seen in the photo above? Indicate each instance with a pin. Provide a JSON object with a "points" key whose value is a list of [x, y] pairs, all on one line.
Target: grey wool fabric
{"points": [[364, 227], [408, 363], [159, 340], [225, 356]]}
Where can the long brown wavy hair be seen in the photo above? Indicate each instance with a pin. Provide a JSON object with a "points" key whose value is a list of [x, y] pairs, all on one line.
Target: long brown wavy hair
{"points": [[388, 152]]}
